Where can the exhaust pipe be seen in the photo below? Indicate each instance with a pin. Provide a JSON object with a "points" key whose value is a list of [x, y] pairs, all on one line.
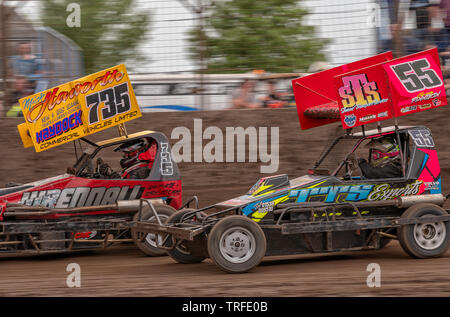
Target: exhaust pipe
{"points": [[408, 201]]}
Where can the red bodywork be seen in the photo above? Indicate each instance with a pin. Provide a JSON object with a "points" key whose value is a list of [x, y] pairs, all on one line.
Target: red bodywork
{"points": [[69, 191], [370, 90]]}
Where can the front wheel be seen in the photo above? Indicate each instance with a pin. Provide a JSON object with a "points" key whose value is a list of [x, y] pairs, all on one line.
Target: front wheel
{"points": [[181, 252], [236, 244], [425, 240], [149, 243]]}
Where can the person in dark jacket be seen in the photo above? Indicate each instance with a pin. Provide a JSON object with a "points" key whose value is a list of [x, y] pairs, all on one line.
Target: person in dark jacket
{"points": [[385, 159]]}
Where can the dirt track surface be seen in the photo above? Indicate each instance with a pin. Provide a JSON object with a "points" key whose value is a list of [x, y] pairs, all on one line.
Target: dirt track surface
{"points": [[123, 271]]}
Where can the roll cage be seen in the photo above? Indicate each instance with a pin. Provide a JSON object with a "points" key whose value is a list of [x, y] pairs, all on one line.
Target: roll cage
{"points": [[84, 164], [353, 142]]}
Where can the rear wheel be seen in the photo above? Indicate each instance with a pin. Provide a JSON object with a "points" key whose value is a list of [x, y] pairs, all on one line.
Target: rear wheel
{"points": [[181, 253], [236, 244], [149, 243], [425, 240]]}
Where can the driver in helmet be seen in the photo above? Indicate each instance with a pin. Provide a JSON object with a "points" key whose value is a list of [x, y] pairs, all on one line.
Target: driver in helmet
{"points": [[385, 159], [138, 158]]}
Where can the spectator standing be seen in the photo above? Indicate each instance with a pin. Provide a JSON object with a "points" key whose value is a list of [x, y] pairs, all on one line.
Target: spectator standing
{"points": [[28, 65]]}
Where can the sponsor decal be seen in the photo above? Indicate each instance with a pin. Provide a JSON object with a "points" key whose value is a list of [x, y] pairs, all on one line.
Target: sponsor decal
{"points": [[425, 106], [367, 118], [332, 193], [408, 109], [264, 207], [80, 196], [425, 96], [383, 114], [387, 192], [368, 192], [436, 102], [36, 105], [359, 93], [62, 126], [85, 235], [436, 185], [350, 120]]}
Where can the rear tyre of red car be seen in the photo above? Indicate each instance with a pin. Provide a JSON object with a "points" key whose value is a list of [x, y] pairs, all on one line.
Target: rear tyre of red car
{"points": [[236, 244], [181, 253], [424, 240], [148, 243]]}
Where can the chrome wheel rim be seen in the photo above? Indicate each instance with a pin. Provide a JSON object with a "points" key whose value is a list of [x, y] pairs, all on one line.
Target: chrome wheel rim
{"points": [[150, 238], [430, 236], [237, 245]]}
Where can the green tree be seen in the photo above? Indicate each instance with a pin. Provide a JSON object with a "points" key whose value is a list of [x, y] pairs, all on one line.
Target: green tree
{"points": [[110, 30], [242, 35]]}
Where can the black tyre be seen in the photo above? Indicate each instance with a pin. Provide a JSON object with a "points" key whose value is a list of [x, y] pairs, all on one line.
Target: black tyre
{"points": [[424, 240], [236, 244], [148, 243], [181, 253]]}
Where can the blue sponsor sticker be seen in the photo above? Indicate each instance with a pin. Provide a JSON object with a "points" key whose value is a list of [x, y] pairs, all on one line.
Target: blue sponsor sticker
{"points": [[350, 120]]}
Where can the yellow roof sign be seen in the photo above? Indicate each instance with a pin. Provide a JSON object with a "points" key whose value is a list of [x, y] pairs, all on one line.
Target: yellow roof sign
{"points": [[79, 108]]}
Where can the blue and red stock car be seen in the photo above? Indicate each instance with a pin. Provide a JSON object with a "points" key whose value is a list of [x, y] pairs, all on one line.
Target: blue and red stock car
{"points": [[338, 205]]}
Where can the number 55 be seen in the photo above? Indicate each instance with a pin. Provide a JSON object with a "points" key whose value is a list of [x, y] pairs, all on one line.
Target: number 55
{"points": [[416, 75]]}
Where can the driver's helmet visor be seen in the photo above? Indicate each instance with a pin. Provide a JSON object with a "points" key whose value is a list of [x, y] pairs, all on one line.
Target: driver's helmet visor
{"points": [[129, 154]]}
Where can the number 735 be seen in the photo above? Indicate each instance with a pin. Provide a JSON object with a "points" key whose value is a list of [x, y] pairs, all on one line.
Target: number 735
{"points": [[115, 99]]}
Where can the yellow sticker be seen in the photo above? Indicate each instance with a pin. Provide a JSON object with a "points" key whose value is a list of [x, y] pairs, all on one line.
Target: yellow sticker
{"points": [[79, 108]]}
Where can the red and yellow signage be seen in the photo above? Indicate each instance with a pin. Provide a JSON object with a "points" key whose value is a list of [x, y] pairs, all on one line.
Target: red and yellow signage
{"points": [[363, 96], [78, 108], [371, 90]]}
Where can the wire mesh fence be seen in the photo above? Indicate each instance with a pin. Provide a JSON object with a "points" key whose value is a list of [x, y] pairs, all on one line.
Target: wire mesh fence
{"points": [[187, 58]]}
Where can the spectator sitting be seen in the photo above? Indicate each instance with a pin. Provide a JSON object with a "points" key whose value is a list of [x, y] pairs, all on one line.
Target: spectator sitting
{"points": [[244, 97]]}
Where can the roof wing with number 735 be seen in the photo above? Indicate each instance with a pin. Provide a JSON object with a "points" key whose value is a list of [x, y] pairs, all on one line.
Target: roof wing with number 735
{"points": [[79, 108]]}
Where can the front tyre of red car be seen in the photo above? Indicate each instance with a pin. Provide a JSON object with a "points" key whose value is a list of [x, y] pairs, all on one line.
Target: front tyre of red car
{"points": [[425, 240], [148, 242], [181, 253], [236, 244]]}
